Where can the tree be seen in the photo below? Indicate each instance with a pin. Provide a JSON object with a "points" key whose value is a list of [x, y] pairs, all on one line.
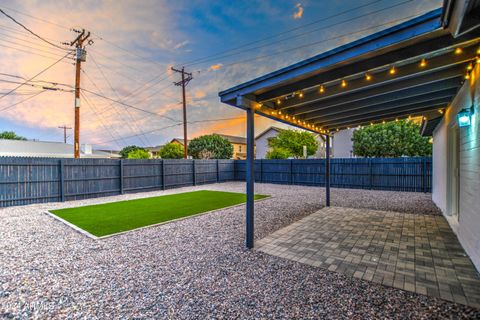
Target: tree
{"points": [[391, 139], [10, 135], [210, 146], [125, 151], [278, 153], [171, 151], [293, 142], [138, 154]]}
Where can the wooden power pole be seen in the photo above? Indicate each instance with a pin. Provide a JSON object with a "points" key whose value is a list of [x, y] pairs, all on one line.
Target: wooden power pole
{"points": [[80, 56], [65, 128], [186, 77]]}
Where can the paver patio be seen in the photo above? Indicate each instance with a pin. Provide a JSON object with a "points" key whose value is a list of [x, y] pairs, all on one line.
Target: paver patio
{"points": [[417, 253]]}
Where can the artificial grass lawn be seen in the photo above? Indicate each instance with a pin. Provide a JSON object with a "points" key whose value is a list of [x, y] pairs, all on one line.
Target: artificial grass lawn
{"points": [[109, 218]]}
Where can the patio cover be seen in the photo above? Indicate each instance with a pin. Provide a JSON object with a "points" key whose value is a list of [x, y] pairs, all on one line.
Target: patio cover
{"points": [[412, 69]]}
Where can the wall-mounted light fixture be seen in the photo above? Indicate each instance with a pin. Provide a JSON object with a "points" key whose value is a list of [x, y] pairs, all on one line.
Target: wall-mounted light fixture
{"points": [[464, 117]]}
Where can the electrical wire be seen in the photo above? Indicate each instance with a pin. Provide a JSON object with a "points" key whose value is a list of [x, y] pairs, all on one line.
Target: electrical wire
{"points": [[127, 105], [303, 34], [25, 82], [318, 42], [17, 103], [128, 123], [303, 26], [94, 109], [30, 31]]}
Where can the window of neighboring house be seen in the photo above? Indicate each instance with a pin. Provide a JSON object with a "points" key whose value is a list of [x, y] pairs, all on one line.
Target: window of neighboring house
{"points": [[240, 148]]}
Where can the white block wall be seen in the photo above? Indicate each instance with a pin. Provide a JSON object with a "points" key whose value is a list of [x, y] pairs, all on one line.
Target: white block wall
{"points": [[468, 227]]}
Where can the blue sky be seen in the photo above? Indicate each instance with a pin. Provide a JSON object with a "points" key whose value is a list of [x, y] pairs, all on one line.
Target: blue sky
{"points": [[137, 41]]}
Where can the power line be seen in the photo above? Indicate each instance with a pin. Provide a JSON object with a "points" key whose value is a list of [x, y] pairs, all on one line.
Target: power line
{"points": [[37, 81], [26, 99], [44, 48], [36, 86], [127, 105], [30, 31], [191, 62], [113, 107], [30, 52], [44, 70], [93, 108], [318, 42], [118, 96]]}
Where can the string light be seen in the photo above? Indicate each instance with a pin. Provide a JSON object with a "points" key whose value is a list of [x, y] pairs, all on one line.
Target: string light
{"points": [[344, 83], [458, 50], [396, 119], [279, 101], [478, 60], [322, 89], [478, 50], [383, 121], [423, 63], [300, 95], [371, 123], [279, 112], [467, 76], [392, 70], [440, 111], [469, 67], [368, 77]]}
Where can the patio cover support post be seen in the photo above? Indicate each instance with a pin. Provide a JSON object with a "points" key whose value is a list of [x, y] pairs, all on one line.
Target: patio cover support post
{"points": [[327, 170], [249, 106], [250, 178]]}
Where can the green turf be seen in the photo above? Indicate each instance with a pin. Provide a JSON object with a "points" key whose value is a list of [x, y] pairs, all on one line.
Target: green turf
{"points": [[109, 218]]}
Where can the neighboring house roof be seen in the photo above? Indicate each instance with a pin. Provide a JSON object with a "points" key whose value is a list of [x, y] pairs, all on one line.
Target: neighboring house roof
{"points": [[44, 149], [155, 149], [232, 139], [277, 129]]}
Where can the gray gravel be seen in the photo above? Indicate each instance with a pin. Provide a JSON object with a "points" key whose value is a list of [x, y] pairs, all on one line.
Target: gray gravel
{"points": [[195, 268]]}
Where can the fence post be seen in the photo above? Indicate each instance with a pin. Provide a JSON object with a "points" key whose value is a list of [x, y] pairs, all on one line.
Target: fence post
{"points": [[261, 170], [371, 172], [194, 174], [218, 172], [121, 176], [424, 180], [291, 177], [62, 180], [163, 174]]}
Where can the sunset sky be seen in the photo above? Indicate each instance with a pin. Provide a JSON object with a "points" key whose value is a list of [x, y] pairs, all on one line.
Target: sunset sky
{"points": [[223, 43]]}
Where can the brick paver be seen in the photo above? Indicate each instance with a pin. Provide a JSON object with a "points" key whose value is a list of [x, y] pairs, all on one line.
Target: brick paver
{"points": [[418, 253]]}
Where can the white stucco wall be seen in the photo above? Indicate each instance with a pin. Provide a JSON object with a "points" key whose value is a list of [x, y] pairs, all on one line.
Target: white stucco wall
{"points": [[342, 144], [262, 144], [468, 225]]}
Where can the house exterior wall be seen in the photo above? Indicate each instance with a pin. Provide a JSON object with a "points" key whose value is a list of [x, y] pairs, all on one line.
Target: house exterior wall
{"points": [[262, 143], [467, 227], [239, 151], [342, 144]]}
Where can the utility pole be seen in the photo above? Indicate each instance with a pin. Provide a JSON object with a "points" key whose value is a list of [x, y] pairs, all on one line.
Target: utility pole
{"points": [[186, 77], [80, 56], [65, 128]]}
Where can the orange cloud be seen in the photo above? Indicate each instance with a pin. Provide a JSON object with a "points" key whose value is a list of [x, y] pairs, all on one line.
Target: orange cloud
{"points": [[215, 67], [299, 11], [199, 94]]}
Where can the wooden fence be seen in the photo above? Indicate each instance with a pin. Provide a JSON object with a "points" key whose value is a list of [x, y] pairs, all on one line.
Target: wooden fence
{"points": [[396, 174], [35, 180]]}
